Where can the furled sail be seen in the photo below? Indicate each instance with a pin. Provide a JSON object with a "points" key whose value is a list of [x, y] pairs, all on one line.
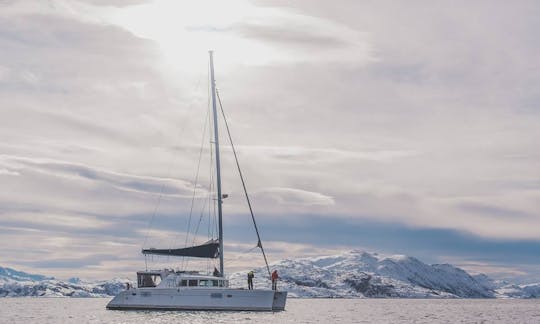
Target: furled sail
{"points": [[208, 249]]}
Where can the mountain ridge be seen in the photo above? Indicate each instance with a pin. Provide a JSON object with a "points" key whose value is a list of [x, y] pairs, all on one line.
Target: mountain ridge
{"points": [[361, 274], [8, 273], [351, 274]]}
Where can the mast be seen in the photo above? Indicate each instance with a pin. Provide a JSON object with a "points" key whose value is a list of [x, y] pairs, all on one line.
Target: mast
{"points": [[218, 166]]}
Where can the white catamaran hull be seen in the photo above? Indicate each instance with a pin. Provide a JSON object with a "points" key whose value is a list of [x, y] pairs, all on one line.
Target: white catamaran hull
{"points": [[199, 299]]}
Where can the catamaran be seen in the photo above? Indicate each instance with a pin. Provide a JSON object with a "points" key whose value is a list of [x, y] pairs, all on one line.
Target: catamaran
{"points": [[169, 289]]}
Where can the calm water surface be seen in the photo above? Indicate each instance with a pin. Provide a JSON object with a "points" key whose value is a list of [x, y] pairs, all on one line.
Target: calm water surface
{"points": [[92, 310]]}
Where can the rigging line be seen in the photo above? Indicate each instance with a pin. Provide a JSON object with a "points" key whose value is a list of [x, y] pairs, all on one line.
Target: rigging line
{"points": [[169, 169], [211, 174], [153, 215], [210, 194], [211, 202], [195, 187], [201, 216], [241, 254], [196, 181], [210, 187], [248, 251], [159, 199], [195, 234], [196, 231], [198, 225], [206, 119], [259, 243]]}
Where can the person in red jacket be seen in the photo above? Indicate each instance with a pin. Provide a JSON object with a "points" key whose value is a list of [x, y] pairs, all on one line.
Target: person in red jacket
{"points": [[275, 278]]}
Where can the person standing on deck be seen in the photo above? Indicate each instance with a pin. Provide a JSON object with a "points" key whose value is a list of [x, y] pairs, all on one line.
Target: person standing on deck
{"points": [[250, 276], [275, 278]]}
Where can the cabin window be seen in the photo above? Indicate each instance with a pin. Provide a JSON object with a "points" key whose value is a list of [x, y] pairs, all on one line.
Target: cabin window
{"points": [[183, 283], [193, 283], [214, 283], [203, 283], [148, 280]]}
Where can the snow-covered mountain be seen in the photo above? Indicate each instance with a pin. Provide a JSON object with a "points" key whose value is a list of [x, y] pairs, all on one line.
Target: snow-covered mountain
{"points": [[508, 290], [355, 274], [362, 274], [15, 283], [7, 274], [58, 288]]}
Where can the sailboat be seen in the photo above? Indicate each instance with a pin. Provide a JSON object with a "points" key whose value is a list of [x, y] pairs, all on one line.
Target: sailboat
{"points": [[168, 289]]}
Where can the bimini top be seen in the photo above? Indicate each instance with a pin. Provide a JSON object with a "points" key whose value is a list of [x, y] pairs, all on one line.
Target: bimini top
{"points": [[208, 249]]}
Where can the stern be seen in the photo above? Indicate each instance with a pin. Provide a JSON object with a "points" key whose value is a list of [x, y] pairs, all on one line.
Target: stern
{"points": [[280, 299]]}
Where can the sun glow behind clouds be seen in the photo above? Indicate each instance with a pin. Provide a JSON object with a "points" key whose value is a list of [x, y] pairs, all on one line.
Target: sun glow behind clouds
{"points": [[240, 32], [185, 29]]}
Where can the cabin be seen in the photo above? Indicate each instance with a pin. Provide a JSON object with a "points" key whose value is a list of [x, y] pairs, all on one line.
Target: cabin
{"points": [[175, 279]]}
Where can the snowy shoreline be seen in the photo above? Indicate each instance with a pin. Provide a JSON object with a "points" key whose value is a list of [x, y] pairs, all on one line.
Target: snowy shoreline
{"points": [[350, 275]]}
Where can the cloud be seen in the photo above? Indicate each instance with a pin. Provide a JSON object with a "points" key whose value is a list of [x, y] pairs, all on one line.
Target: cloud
{"points": [[423, 117], [292, 196], [119, 3], [59, 187], [264, 35], [52, 220], [63, 252], [141, 184], [312, 155], [75, 263], [492, 270], [493, 211], [289, 36], [8, 172]]}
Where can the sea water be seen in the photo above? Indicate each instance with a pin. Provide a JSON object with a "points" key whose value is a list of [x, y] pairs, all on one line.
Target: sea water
{"points": [[92, 310]]}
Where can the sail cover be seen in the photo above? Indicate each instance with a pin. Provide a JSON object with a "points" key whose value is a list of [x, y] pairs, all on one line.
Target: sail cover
{"points": [[208, 249]]}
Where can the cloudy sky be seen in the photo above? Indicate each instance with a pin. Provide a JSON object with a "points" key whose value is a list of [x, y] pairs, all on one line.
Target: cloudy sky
{"points": [[394, 127]]}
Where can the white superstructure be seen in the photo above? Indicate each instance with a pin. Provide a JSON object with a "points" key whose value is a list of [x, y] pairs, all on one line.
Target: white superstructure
{"points": [[169, 290]]}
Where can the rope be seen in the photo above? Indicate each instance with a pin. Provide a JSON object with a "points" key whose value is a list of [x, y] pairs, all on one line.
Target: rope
{"points": [[196, 181], [185, 262], [259, 243], [149, 227], [153, 214], [150, 224], [241, 254]]}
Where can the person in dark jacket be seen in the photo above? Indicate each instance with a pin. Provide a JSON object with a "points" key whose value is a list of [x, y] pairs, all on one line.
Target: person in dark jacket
{"points": [[250, 276], [275, 278]]}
